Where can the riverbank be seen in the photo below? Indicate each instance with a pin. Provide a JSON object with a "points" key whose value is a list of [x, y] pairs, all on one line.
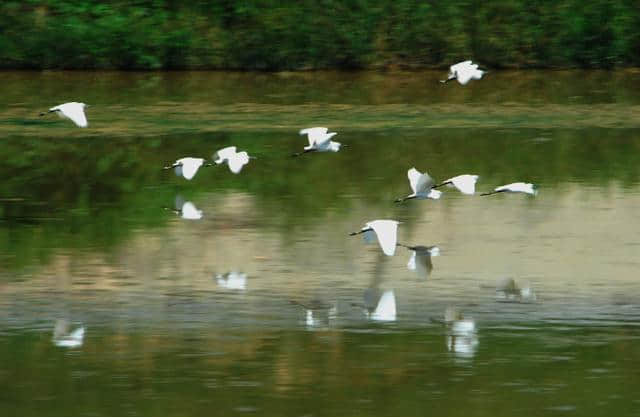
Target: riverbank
{"points": [[294, 35]]}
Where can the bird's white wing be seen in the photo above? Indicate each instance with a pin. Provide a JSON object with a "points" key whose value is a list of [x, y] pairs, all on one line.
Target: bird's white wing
{"points": [[459, 65], [425, 183], [466, 184], [225, 153], [190, 212], [238, 161], [387, 233], [75, 112], [315, 134], [414, 176], [386, 308], [464, 75], [190, 166]]}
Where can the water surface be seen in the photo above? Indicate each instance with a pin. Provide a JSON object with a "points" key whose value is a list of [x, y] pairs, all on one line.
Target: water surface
{"points": [[88, 237]]}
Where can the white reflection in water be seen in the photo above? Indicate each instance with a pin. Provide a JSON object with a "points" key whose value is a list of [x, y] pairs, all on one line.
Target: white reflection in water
{"points": [[385, 309], [462, 338], [507, 290], [420, 259], [232, 280], [318, 313], [63, 338]]}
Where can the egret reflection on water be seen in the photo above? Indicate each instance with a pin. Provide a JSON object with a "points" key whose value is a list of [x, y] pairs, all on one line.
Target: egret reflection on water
{"points": [[232, 280], [62, 337], [385, 309], [461, 334], [420, 259], [507, 290], [73, 111], [186, 210]]}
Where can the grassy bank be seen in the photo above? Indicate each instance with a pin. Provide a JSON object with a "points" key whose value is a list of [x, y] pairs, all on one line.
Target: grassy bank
{"points": [[297, 35]]}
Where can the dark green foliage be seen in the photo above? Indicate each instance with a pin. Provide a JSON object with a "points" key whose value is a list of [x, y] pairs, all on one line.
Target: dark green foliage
{"points": [[295, 35]]}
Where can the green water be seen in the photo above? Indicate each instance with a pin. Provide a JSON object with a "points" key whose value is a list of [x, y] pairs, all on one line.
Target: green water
{"points": [[86, 239]]}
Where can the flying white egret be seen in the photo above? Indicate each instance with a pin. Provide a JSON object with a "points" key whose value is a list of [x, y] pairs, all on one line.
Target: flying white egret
{"points": [[232, 280], [464, 72], [73, 111], [386, 231], [235, 160], [422, 186], [187, 167], [420, 260], [319, 140], [386, 308], [63, 338], [515, 187], [465, 183]]}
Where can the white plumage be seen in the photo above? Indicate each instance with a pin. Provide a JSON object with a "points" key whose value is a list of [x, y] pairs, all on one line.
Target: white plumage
{"points": [[190, 212], [464, 72], [465, 183], [187, 167], [515, 187], [386, 308], [421, 185], [63, 338], [386, 231], [319, 140], [73, 111], [235, 160]]}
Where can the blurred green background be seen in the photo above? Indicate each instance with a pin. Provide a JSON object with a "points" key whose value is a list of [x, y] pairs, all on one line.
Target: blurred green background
{"points": [[303, 34]]}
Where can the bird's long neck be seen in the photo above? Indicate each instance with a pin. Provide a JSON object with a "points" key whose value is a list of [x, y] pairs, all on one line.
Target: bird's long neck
{"points": [[441, 184], [305, 151], [409, 197], [361, 231], [493, 192]]}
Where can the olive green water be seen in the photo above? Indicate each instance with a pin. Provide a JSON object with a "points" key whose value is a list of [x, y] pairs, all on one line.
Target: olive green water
{"points": [[86, 239]]}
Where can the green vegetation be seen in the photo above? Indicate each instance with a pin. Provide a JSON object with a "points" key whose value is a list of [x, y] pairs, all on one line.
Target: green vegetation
{"points": [[303, 34]]}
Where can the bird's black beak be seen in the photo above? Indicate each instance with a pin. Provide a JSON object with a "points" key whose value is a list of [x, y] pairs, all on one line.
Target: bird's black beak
{"points": [[356, 233]]}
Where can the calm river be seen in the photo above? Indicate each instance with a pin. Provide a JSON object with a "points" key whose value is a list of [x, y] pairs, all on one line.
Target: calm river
{"points": [[265, 305]]}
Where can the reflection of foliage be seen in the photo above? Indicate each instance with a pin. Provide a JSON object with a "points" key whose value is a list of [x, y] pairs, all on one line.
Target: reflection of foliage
{"points": [[260, 34], [90, 192], [152, 370]]}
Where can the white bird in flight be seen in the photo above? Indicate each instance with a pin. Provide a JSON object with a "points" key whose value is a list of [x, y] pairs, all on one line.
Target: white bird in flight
{"points": [[319, 140], [187, 167], [386, 231], [465, 183], [464, 72], [235, 160], [63, 338], [73, 111], [515, 187], [422, 186]]}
